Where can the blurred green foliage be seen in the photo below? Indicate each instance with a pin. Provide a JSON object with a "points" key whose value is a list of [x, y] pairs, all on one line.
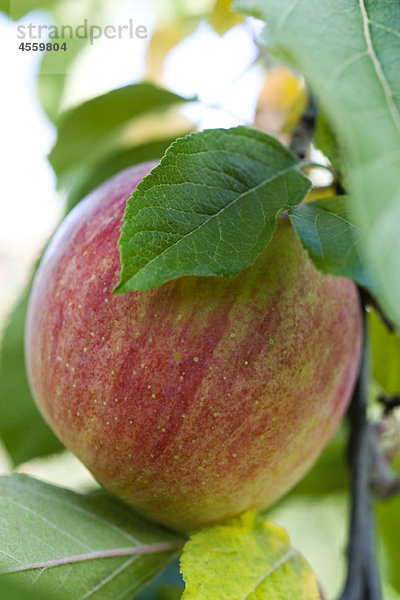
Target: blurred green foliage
{"points": [[22, 429], [385, 351], [114, 163]]}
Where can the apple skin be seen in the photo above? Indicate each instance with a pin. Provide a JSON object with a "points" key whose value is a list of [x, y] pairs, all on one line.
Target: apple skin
{"points": [[200, 399]]}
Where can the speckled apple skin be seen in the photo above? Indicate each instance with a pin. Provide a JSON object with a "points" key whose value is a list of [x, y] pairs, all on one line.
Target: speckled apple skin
{"points": [[200, 399]]}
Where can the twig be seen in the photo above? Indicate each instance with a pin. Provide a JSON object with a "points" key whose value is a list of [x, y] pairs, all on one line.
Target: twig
{"points": [[304, 131], [369, 299], [362, 581]]}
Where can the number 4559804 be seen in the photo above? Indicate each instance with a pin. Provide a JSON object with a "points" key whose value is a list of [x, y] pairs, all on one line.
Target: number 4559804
{"points": [[41, 46]]}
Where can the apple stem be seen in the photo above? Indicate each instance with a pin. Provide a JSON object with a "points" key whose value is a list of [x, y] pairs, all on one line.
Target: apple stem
{"points": [[362, 581]]}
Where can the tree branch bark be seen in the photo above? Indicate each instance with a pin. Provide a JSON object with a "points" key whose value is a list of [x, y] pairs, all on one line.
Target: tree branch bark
{"points": [[362, 581]]}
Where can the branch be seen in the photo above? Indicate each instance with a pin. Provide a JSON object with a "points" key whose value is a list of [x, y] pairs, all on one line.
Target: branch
{"points": [[362, 581], [372, 301], [303, 133]]}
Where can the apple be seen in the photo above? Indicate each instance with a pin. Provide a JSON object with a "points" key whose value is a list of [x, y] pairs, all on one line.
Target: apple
{"points": [[200, 399]]}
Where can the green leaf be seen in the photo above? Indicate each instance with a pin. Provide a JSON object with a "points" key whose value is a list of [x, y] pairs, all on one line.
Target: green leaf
{"points": [[209, 208], [63, 531], [11, 591], [22, 429], [349, 52], [16, 9], [385, 350], [114, 164], [333, 241], [247, 557], [86, 130]]}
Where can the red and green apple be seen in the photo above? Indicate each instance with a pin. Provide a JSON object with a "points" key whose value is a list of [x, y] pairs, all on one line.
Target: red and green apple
{"points": [[200, 399]]}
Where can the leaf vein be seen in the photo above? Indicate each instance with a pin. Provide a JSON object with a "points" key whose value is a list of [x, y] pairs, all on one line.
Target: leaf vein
{"points": [[86, 512], [378, 69], [384, 28], [49, 523], [109, 577], [274, 567], [217, 214]]}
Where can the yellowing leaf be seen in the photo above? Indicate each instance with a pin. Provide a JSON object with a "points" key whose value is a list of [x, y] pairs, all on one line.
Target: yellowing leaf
{"points": [[320, 192], [246, 558], [281, 102], [281, 88], [223, 17]]}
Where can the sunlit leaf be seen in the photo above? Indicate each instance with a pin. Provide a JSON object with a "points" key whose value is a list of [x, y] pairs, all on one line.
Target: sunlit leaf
{"points": [[247, 557], [281, 102], [317, 525], [223, 18]]}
